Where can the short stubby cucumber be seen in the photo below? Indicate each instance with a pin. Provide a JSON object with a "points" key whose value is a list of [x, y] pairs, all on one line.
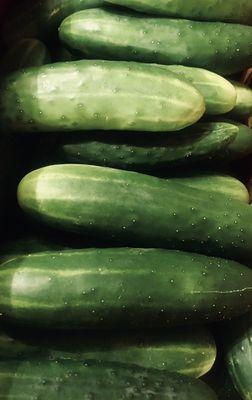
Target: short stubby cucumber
{"points": [[210, 10], [108, 204], [40, 18], [219, 94], [243, 108], [225, 184], [239, 355], [25, 53], [121, 287], [215, 46], [67, 379], [188, 351], [104, 95], [146, 151]]}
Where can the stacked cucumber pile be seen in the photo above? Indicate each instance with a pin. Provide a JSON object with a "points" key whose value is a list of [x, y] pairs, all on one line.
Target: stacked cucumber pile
{"points": [[130, 268]]}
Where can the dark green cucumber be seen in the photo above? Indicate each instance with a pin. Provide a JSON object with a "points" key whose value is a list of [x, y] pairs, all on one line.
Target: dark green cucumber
{"points": [[225, 184], [188, 351], [239, 355], [121, 287], [210, 10], [108, 203], [48, 380], [25, 53], [40, 18], [216, 46], [146, 152], [104, 95], [219, 94], [243, 108]]}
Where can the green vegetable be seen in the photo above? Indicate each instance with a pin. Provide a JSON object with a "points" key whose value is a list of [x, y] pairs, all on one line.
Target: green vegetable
{"points": [[145, 152], [189, 351], [108, 204], [25, 53], [243, 107], [94, 380], [239, 355], [219, 94], [117, 35], [209, 10], [106, 95], [121, 287], [225, 184]]}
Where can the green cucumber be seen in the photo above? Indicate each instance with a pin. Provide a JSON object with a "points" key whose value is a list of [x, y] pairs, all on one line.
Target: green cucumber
{"points": [[219, 94], [108, 203], [225, 184], [121, 287], [243, 107], [25, 53], [215, 46], [41, 18], [145, 152], [105, 95], [239, 355], [48, 380], [188, 351], [209, 10]]}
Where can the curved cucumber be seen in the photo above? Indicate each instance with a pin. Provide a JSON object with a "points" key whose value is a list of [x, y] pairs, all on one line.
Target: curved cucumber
{"points": [[188, 351], [105, 95], [146, 152], [224, 184], [95, 380], [209, 10], [108, 203], [126, 287], [243, 107], [41, 18], [219, 94], [215, 46], [239, 356], [25, 53]]}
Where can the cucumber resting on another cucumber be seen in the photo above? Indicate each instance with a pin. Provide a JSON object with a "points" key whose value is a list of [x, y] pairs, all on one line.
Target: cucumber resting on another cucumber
{"points": [[243, 108]]}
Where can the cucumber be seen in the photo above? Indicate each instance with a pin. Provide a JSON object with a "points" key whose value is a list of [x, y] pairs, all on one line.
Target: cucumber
{"points": [[68, 97], [121, 287], [243, 107], [108, 203], [66, 380], [25, 53], [188, 351], [225, 184], [145, 152], [215, 46], [40, 18], [209, 10], [239, 355], [219, 94]]}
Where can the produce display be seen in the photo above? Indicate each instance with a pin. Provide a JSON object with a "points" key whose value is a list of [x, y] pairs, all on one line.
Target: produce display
{"points": [[126, 246]]}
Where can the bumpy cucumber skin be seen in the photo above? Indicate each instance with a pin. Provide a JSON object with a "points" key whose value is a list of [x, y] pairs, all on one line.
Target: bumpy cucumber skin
{"points": [[224, 184], [41, 18], [103, 95], [243, 107], [210, 10], [108, 203], [93, 380], [215, 46], [25, 53], [146, 152], [188, 351], [239, 356], [219, 94], [126, 287]]}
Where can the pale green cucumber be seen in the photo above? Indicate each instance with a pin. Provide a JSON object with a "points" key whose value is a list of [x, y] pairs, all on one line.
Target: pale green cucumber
{"points": [[243, 107], [106, 95], [120, 35]]}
